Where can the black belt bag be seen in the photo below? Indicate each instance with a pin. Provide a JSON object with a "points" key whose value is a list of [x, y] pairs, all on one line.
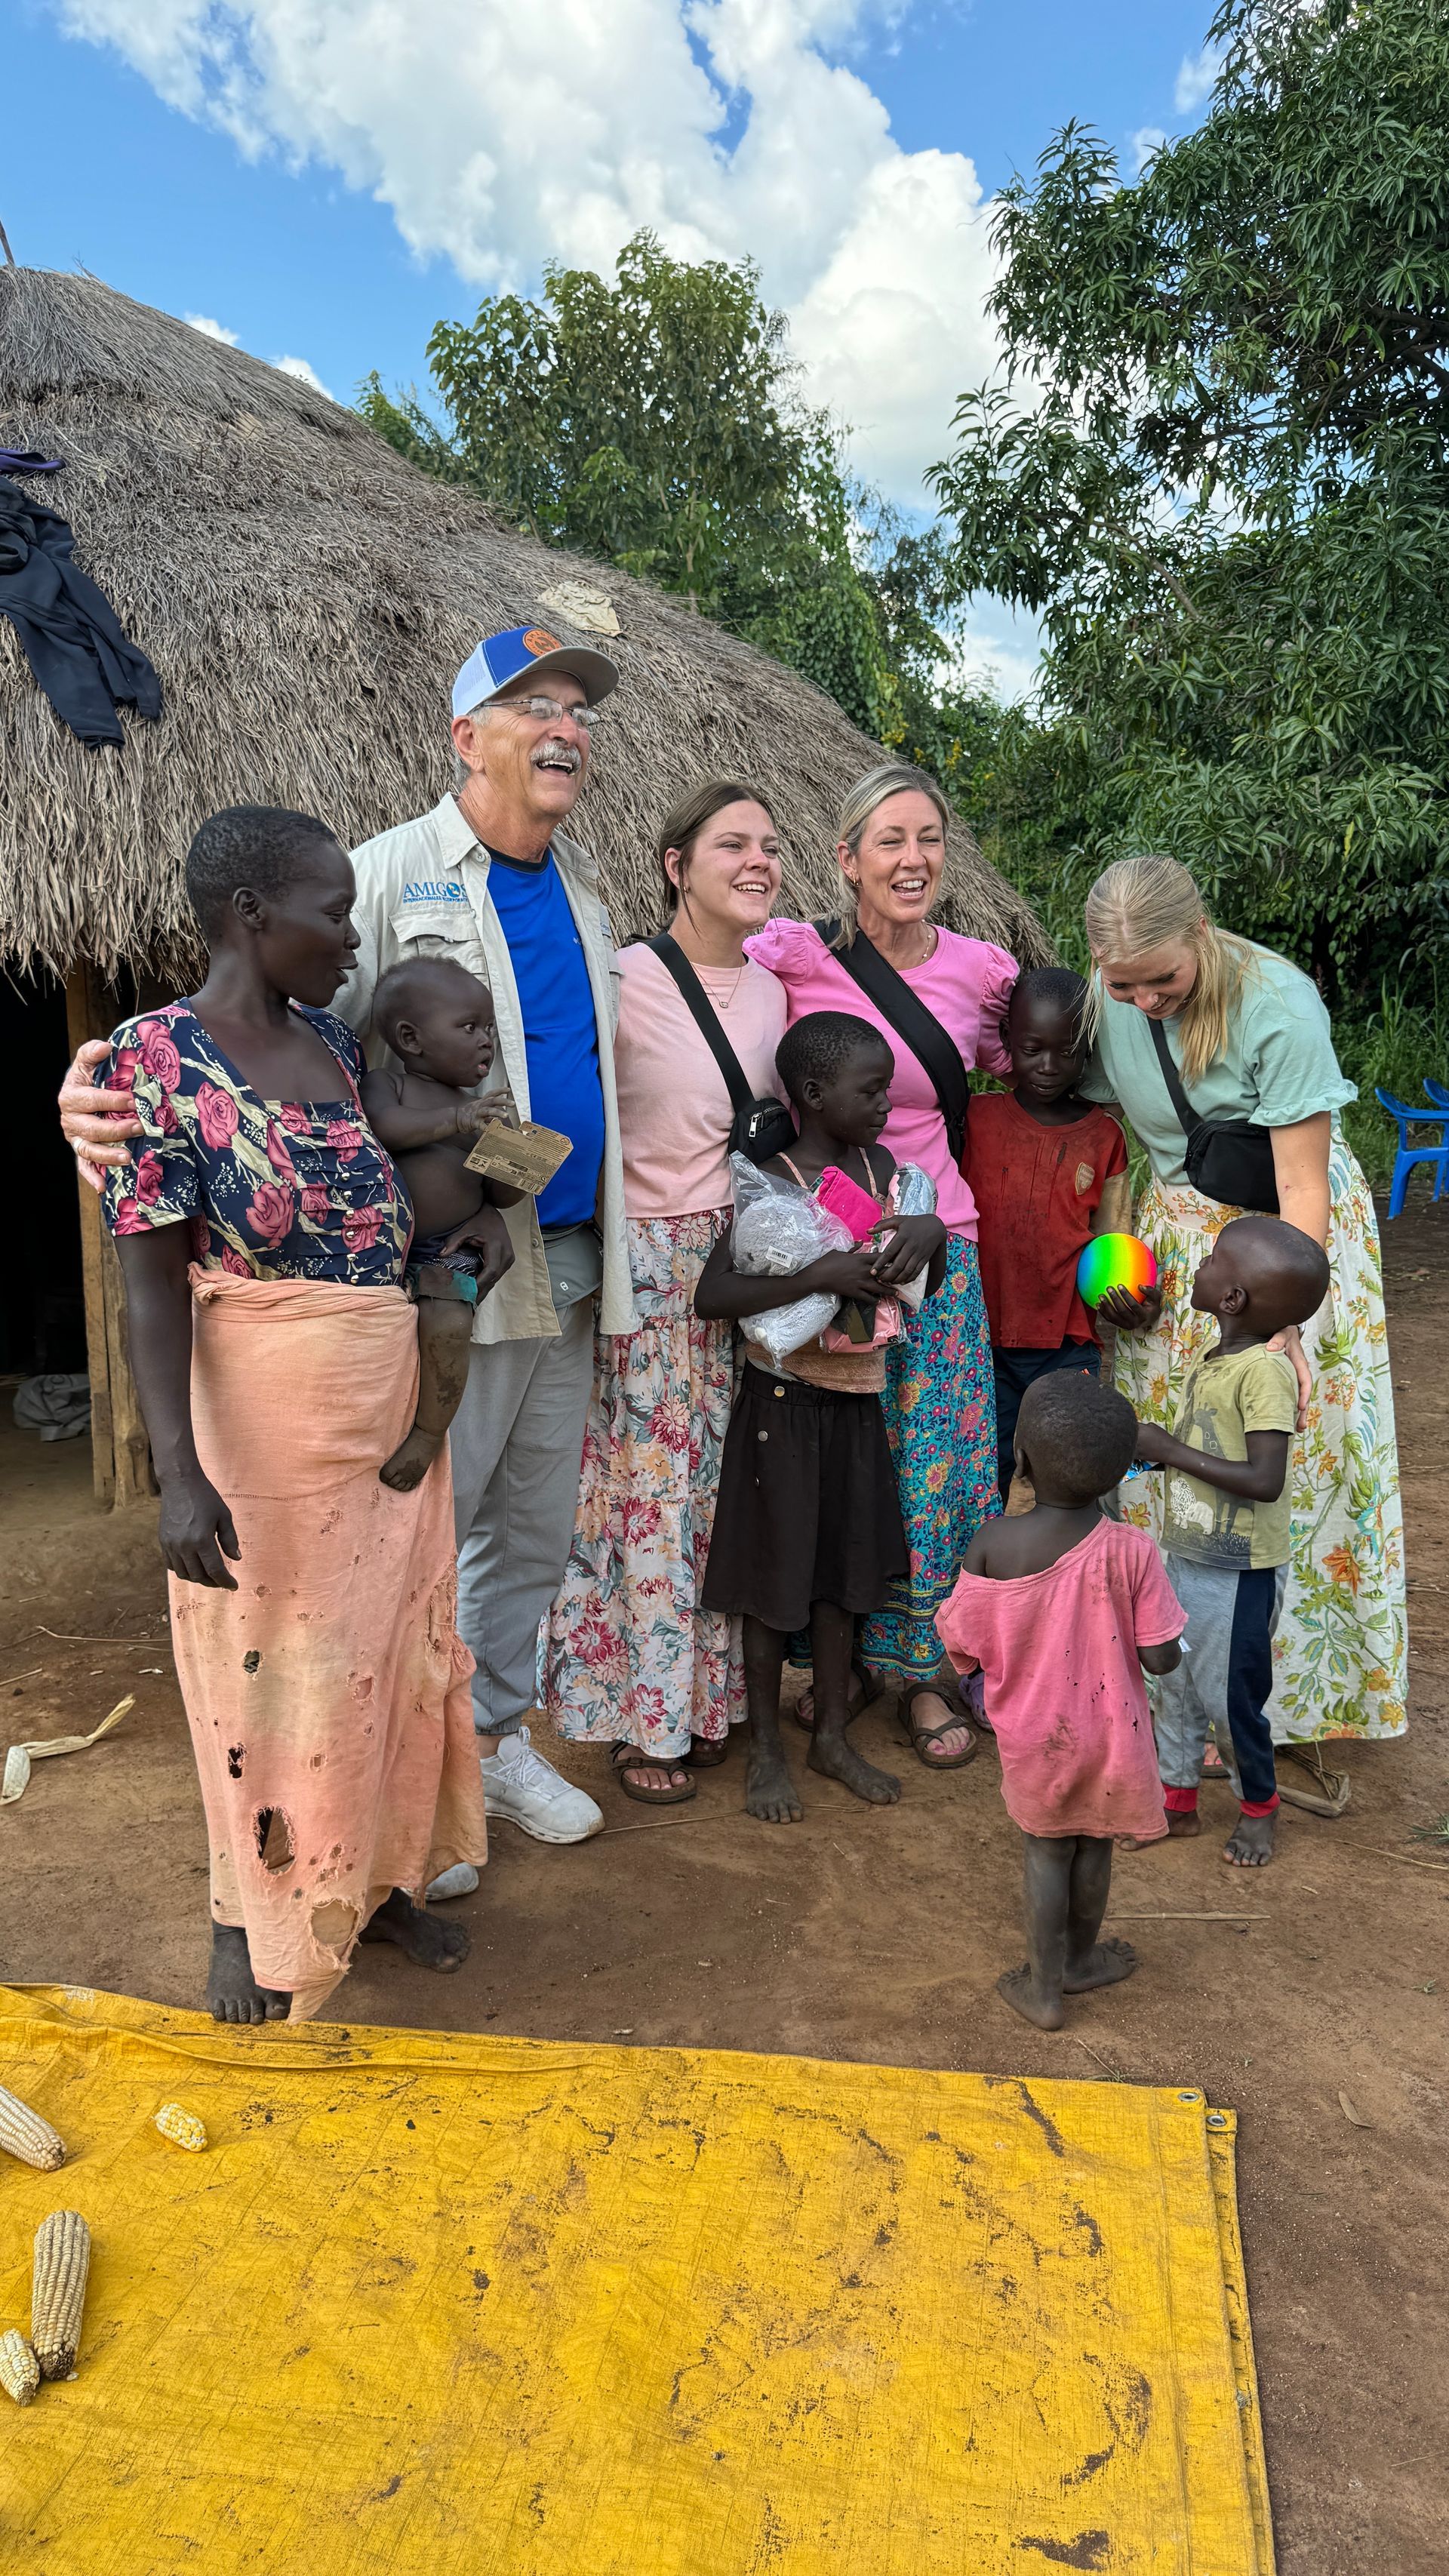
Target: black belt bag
{"points": [[760, 1128], [1228, 1159]]}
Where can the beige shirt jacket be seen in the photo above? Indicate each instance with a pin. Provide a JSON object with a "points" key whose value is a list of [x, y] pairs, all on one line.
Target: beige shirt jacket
{"points": [[422, 891]]}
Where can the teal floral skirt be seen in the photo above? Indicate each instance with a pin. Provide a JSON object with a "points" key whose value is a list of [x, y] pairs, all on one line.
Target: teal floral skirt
{"points": [[940, 1410]]}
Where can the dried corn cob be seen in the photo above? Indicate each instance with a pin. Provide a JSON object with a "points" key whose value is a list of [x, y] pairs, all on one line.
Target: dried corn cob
{"points": [[19, 2369], [23, 2133], [58, 2291], [182, 2127]]}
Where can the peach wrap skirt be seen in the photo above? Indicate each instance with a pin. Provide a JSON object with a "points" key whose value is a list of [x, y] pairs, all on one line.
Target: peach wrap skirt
{"points": [[328, 1696]]}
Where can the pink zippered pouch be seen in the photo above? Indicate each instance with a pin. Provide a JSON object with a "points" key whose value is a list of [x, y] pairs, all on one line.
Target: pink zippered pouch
{"points": [[846, 1199]]}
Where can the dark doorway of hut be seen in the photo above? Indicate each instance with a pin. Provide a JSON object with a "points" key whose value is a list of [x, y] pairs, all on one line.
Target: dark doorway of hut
{"points": [[62, 1308]]}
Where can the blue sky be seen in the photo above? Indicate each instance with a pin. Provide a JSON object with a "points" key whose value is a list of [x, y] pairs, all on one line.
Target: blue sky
{"points": [[327, 201]]}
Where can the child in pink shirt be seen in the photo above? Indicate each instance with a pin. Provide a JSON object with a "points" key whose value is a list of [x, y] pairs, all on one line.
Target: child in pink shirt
{"points": [[1063, 1610]]}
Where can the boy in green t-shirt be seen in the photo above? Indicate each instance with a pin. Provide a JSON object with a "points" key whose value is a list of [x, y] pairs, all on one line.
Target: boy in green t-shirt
{"points": [[1226, 1524]]}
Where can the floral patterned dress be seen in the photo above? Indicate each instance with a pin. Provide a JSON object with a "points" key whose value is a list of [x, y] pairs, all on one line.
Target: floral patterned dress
{"points": [[271, 1189], [1340, 1655]]}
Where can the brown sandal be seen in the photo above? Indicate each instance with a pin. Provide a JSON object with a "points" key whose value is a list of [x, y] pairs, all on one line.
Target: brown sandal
{"points": [[918, 1737], [627, 1757], [705, 1753]]}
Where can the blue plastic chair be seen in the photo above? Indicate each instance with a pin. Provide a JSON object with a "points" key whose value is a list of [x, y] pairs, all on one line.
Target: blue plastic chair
{"points": [[1437, 1092], [1406, 1116]]}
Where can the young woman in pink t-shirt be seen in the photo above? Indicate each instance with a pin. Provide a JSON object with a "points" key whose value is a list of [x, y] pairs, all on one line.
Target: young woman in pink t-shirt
{"points": [[630, 1657], [939, 1398]]}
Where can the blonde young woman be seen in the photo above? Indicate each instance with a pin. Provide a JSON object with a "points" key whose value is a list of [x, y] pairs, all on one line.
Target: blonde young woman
{"points": [[630, 1658], [1251, 1040], [940, 1402]]}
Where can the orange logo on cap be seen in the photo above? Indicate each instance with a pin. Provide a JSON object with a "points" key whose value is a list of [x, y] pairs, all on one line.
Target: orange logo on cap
{"points": [[538, 640]]}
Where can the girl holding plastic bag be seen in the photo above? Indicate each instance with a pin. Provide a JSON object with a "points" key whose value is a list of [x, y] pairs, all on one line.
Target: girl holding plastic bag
{"points": [[808, 1529]]}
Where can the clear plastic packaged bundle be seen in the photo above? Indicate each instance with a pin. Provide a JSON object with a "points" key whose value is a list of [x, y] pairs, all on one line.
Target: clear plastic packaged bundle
{"points": [[915, 1196], [780, 1228]]}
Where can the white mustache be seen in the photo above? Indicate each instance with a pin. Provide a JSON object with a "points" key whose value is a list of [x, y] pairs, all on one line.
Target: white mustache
{"points": [[557, 755]]}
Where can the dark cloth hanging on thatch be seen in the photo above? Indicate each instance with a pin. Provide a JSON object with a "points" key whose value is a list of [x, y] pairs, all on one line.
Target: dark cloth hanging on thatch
{"points": [[70, 634]]}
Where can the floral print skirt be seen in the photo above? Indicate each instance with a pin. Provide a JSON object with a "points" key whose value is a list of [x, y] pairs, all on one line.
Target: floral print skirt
{"points": [[627, 1655], [1340, 1656], [940, 1410]]}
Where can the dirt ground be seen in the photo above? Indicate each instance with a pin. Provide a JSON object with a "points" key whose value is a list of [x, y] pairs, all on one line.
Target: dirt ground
{"points": [[1318, 2011]]}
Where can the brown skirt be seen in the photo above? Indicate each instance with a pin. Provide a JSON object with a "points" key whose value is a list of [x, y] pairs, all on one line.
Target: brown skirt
{"points": [[807, 1505]]}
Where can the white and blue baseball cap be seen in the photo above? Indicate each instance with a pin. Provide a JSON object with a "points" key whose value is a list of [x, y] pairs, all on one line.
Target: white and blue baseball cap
{"points": [[501, 659]]}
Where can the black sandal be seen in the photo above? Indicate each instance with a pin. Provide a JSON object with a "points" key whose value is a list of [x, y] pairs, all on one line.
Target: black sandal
{"points": [[627, 1757], [871, 1684], [918, 1737]]}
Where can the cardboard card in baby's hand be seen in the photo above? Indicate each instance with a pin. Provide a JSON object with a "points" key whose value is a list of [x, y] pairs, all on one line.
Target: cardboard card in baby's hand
{"points": [[522, 1158]]}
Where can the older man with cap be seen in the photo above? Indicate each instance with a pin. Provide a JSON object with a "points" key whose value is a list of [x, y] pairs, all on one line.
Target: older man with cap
{"points": [[489, 878]]}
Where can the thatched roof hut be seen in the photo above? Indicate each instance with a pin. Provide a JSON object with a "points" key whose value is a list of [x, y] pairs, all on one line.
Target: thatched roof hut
{"points": [[306, 596]]}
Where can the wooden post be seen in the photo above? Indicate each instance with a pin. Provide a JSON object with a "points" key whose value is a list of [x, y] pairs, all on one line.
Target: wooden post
{"points": [[120, 1454]]}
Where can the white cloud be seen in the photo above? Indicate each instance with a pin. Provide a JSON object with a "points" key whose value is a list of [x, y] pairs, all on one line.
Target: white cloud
{"points": [[214, 330], [501, 136], [1147, 140], [1196, 78], [305, 373]]}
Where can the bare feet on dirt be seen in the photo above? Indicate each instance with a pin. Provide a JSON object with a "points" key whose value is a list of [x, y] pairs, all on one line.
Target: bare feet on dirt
{"points": [[232, 1992], [830, 1754], [1105, 1964], [1019, 1988], [408, 1465], [770, 1793], [1250, 1845], [1183, 1826], [421, 1937]]}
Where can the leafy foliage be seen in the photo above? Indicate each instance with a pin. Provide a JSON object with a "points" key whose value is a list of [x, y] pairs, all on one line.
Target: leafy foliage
{"points": [[1220, 478], [654, 421]]}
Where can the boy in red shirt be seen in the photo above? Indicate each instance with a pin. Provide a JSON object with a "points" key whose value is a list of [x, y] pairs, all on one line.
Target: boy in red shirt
{"points": [[1047, 1171]]}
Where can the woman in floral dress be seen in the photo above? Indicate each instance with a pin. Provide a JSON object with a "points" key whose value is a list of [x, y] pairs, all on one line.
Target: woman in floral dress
{"points": [[1251, 1040], [629, 1657]]}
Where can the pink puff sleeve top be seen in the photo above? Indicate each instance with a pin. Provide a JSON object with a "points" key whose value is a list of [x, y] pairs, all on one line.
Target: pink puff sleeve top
{"points": [[965, 982]]}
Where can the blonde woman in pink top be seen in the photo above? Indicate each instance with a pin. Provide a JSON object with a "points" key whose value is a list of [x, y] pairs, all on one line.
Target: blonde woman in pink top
{"points": [[940, 1403], [630, 1658]]}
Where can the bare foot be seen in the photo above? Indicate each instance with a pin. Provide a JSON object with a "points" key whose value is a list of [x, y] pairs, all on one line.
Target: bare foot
{"points": [[408, 1465], [830, 1753], [1019, 1989], [770, 1793], [1182, 1825], [1250, 1846], [420, 1936], [1105, 1964], [232, 1992]]}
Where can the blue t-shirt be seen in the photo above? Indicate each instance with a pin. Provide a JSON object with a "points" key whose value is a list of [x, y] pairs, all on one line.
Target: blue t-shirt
{"points": [[560, 1035]]}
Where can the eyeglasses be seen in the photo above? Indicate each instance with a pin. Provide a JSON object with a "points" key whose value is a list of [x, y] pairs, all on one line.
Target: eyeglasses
{"points": [[548, 711]]}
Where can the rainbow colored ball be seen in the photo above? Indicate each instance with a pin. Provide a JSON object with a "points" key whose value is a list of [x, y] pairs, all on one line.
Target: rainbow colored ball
{"points": [[1114, 1261]]}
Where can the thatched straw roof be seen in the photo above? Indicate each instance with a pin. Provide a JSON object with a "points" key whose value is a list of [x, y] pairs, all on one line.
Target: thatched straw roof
{"points": [[306, 596]]}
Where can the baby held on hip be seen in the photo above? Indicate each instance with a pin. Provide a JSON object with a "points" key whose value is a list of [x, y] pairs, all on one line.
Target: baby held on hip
{"points": [[438, 1021]]}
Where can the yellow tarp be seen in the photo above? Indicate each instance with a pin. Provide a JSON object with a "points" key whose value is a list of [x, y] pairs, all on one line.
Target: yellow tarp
{"points": [[477, 2305]]}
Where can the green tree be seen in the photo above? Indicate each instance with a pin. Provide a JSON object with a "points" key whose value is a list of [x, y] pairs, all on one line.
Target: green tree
{"points": [[654, 420], [1220, 478]]}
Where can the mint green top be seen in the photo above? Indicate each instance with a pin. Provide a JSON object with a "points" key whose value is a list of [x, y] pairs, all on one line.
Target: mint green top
{"points": [[1278, 1065]]}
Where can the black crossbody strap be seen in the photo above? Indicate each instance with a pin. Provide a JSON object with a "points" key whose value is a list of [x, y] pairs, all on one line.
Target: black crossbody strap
{"points": [[1187, 1116], [671, 955], [908, 1016]]}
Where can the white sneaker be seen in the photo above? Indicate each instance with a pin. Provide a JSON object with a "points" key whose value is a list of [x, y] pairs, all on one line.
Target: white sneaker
{"points": [[518, 1784], [460, 1880]]}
